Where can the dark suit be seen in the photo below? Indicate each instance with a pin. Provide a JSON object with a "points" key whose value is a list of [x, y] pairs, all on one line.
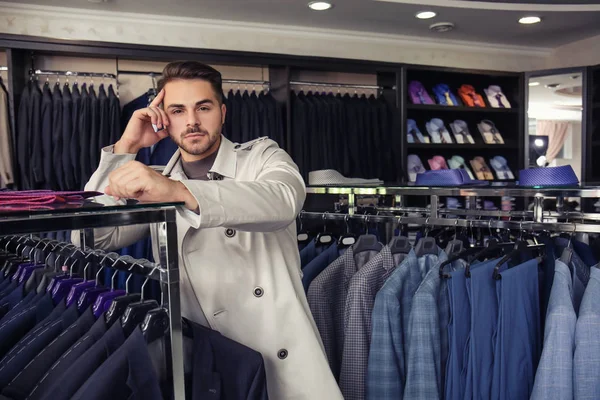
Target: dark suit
{"points": [[36, 172], [114, 116], [225, 369], [23, 137], [21, 386], [85, 135], [57, 137], [74, 151], [47, 155], [55, 373], [79, 372], [104, 120], [67, 133], [120, 376], [94, 151]]}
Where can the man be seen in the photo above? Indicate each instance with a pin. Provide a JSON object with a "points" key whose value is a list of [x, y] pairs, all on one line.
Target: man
{"points": [[240, 267]]}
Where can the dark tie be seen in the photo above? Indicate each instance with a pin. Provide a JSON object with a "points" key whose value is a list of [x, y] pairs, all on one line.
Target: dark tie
{"points": [[499, 98]]}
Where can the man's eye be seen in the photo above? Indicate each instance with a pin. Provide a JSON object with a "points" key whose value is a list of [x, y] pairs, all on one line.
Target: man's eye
{"points": [[204, 108], [177, 111]]}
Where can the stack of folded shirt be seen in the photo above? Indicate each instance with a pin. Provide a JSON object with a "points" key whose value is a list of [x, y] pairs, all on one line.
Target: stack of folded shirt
{"points": [[40, 199]]}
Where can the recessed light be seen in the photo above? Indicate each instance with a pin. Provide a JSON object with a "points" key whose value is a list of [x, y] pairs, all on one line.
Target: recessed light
{"points": [[425, 15], [538, 142], [534, 84], [442, 27], [320, 5], [530, 20]]}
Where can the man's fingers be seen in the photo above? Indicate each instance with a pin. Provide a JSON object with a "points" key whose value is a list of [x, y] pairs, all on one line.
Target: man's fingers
{"points": [[163, 116], [158, 99]]}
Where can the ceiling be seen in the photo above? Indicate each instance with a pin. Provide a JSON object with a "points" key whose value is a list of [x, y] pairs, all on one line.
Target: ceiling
{"points": [[482, 22], [556, 97]]}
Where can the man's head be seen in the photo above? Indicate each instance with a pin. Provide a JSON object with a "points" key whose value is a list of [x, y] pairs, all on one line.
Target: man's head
{"points": [[194, 104]]}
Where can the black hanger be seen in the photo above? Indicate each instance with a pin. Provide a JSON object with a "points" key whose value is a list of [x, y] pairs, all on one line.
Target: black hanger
{"points": [[454, 246], [155, 325], [118, 307], [346, 239], [136, 312], [520, 246], [567, 253], [324, 238], [400, 245], [303, 236], [367, 243], [427, 245]]}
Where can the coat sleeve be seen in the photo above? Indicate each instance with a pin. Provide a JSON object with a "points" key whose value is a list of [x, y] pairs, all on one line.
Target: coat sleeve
{"points": [[268, 203], [114, 237]]}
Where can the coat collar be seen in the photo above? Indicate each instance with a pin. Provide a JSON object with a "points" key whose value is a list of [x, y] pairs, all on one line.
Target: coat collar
{"points": [[225, 163]]}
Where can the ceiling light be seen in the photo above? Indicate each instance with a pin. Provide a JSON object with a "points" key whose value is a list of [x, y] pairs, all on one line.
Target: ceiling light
{"points": [[320, 5], [425, 15], [539, 142], [530, 20], [442, 27], [534, 84]]}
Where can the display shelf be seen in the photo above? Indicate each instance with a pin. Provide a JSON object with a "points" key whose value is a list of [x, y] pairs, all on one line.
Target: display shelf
{"points": [[456, 146], [461, 109]]}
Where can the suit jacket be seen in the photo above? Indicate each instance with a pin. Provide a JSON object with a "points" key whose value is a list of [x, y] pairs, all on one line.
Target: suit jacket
{"points": [[47, 139], [85, 135], [74, 150], [36, 174], [54, 374], [67, 133], [114, 116], [94, 150], [22, 137], [6, 146], [104, 119], [57, 138], [224, 369]]}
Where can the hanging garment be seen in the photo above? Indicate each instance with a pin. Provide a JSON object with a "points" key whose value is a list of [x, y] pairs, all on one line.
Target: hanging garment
{"points": [[319, 263], [414, 134], [587, 349], [444, 95], [428, 334], [67, 133], [327, 300], [496, 97], [438, 132], [114, 116], [414, 167], [518, 311], [74, 149], [500, 165], [470, 97], [23, 139], [6, 148], [85, 135], [554, 376], [461, 132], [457, 162], [360, 302], [418, 94], [57, 137], [489, 132], [94, 150], [104, 130], [36, 174]]}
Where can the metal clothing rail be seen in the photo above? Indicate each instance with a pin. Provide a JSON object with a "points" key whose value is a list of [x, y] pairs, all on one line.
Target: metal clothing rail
{"points": [[339, 85], [567, 227], [226, 81], [74, 73], [93, 216]]}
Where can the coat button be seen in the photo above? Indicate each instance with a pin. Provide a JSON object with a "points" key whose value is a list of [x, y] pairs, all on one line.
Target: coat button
{"points": [[258, 291], [237, 146], [229, 232], [282, 354]]}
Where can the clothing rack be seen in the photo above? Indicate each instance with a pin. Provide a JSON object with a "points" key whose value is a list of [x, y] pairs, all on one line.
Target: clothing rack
{"points": [[74, 73], [339, 85], [226, 81]]}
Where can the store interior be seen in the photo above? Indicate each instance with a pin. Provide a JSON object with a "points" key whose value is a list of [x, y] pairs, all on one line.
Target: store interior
{"points": [[441, 121]]}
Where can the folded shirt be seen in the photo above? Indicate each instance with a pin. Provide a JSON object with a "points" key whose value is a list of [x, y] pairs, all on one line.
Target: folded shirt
{"points": [[482, 171], [414, 135], [470, 97], [438, 132], [461, 132], [489, 132], [418, 94], [500, 165], [496, 97], [330, 177], [437, 163], [457, 162], [414, 167]]}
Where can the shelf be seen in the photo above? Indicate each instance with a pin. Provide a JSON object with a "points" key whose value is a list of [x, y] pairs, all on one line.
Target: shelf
{"points": [[455, 146], [437, 107]]}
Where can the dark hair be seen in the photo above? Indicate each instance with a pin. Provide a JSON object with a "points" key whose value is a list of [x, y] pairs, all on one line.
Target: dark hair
{"points": [[192, 70]]}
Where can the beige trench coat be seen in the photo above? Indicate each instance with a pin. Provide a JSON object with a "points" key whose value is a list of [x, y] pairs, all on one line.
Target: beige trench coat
{"points": [[239, 263]]}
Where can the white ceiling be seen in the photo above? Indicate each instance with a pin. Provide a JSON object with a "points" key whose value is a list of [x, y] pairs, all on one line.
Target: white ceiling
{"points": [[493, 21]]}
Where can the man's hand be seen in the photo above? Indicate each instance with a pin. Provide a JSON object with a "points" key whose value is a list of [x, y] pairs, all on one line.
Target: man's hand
{"points": [[139, 132], [135, 180]]}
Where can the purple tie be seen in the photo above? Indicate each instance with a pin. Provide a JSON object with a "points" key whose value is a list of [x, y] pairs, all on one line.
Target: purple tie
{"points": [[499, 98]]}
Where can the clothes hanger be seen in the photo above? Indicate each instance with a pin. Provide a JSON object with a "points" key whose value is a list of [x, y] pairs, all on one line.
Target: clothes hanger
{"points": [[302, 236], [520, 247], [346, 239], [90, 294], [79, 288], [567, 253], [324, 238], [104, 300], [367, 242], [135, 313], [400, 244], [63, 288], [427, 245], [454, 246], [119, 304]]}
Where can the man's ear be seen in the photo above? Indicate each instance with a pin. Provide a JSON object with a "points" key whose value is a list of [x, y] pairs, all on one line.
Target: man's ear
{"points": [[223, 113]]}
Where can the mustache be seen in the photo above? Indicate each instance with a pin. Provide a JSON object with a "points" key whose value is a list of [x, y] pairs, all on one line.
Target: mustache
{"points": [[193, 129]]}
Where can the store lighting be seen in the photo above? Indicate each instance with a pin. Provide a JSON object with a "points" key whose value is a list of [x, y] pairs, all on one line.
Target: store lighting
{"points": [[539, 142], [425, 15], [320, 5], [534, 84], [530, 20]]}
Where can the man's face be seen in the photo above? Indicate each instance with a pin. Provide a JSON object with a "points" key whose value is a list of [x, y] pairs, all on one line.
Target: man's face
{"points": [[195, 116]]}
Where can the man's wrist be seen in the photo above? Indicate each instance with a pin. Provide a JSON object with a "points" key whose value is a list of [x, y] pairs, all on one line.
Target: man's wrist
{"points": [[184, 195], [123, 147]]}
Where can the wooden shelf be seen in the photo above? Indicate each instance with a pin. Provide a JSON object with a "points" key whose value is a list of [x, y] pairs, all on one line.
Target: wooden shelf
{"points": [[437, 107], [456, 146]]}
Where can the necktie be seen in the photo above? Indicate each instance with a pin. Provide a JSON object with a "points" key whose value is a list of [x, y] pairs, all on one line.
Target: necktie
{"points": [[448, 99], [499, 98], [421, 98], [475, 99]]}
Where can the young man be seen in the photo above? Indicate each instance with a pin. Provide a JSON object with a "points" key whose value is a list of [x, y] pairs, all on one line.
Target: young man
{"points": [[239, 262]]}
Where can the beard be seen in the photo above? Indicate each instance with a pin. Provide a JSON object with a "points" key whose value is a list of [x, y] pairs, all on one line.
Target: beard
{"points": [[199, 145]]}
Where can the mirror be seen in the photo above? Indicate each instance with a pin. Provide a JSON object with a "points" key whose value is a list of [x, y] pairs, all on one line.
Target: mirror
{"points": [[555, 116]]}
